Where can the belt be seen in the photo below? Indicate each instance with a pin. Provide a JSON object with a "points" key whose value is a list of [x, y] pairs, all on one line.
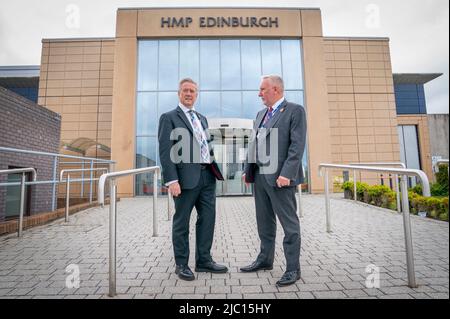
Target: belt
{"points": [[204, 166]]}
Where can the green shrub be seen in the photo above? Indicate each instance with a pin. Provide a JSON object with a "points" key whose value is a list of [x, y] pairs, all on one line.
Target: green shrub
{"points": [[380, 195], [417, 189], [361, 189], [438, 190], [442, 179]]}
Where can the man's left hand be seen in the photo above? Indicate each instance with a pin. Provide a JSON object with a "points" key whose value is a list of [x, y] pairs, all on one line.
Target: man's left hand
{"points": [[283, 182]]}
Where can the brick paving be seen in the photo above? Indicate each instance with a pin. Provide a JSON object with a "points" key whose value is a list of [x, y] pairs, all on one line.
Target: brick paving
{"points": [[333, 265]]}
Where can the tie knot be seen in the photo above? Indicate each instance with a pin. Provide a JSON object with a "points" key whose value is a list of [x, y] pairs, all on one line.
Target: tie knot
{"points": [[270, 109]]}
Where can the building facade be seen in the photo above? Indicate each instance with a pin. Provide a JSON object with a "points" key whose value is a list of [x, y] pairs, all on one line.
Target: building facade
{"points": [[111, 91], [25, 125]]}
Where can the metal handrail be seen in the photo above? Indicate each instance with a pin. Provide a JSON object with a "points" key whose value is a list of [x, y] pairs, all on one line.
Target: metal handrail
{"points": [[46, 182], [55, 164], [15, 150], [22, 191], [113, 212], [439, 163], [404, 188], [68, 171], [397, 187]]}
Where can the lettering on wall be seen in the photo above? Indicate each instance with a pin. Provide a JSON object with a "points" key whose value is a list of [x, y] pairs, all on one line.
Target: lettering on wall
{"points": [[221, 22]]}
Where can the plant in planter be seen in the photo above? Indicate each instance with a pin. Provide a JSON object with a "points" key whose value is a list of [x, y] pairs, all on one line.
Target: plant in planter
{"points": [[348, 190]]}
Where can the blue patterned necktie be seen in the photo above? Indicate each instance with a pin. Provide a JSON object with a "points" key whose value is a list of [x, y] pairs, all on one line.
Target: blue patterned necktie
{"points": [[200, 137], [268, 116]]}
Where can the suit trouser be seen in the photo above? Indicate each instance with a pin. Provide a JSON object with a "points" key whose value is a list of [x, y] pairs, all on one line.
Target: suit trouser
{"points": [[272, 201], [203, 198]]}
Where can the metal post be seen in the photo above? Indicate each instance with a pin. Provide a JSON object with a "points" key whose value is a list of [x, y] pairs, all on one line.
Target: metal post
{"points": [[90, 184], [299, 207], [67, 197], [397, 190], [327, 200], [112, 238], [408, 237], [55, 163], [169, 198], [82, 180], [355, 194], [155, 214], [22, 204]]}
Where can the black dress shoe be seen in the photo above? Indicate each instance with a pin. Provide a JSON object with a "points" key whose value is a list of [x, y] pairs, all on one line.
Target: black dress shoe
{"points": [[184, 272], [212, 267], [288, 278], [256, 266]]}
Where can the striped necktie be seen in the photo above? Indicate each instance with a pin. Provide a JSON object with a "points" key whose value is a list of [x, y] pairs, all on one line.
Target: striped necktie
{"points": [[200, 137]]}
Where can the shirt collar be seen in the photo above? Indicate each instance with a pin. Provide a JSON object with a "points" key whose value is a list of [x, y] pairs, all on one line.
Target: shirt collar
{"points": [[185, 109], [277, 104]]}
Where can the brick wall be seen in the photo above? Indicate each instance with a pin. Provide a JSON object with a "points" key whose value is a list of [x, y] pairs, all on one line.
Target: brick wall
{"points": [[25, 125]]}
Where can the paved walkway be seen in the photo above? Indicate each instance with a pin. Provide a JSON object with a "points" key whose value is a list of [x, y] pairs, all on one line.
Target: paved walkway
{"points": [[333, 265]]}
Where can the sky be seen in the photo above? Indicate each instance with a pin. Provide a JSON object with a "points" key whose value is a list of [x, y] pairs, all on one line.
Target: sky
{"points": [[418, 29]]}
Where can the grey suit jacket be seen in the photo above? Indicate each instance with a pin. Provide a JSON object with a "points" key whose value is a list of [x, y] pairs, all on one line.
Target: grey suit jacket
{"points": [[186, 172], [290, 123]]}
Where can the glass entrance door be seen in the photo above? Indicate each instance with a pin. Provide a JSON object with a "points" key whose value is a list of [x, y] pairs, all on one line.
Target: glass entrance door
{"points": [[230, 153]]}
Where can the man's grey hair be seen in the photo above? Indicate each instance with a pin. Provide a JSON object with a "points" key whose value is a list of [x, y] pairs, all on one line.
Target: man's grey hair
{"points": [[276, 80], [186, 80]]}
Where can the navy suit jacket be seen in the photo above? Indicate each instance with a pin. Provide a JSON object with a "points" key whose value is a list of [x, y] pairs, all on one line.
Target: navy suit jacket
{"points": [[186, 171]]}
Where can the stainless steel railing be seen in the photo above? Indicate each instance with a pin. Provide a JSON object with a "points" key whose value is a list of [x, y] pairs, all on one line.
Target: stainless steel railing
{"points": [[113, 212], [68, 171], [404, 173], [22, 191], [55, 157], [439, 163], [381, 164]]}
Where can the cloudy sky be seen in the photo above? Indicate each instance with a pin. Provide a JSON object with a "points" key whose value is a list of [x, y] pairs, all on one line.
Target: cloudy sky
{"points": [[418, 29]]}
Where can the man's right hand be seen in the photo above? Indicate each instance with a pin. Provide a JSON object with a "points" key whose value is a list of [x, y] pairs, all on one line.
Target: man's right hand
{"points": [[243, 179], [175, 189]]}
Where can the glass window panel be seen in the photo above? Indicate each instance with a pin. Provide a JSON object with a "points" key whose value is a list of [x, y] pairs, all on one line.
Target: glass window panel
{"points": [[230, 64], [148, 66], [411, 146], [146, 118], [145, 156], [251, 104], [292, 64], [294, 97], [271, 57], [167, 101], [189, 60], [145, 151], [209, 65], [251, 64], [231, 104], [168, 65], [209, 104]]}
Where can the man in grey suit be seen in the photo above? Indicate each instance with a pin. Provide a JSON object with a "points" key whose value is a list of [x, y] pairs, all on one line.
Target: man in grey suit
{"points": [[280, 130], [190, 174]]}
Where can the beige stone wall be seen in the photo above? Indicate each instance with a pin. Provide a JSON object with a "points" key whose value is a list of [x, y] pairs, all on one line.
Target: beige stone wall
{"points": [[76, 81], [363, 117]]}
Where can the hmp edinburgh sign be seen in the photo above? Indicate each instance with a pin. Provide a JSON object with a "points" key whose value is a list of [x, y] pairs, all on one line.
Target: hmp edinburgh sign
{"points": [[221, 22]]}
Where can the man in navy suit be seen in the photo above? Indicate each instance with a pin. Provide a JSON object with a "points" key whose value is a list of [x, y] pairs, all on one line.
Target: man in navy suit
{"points": [[190, 173]]}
